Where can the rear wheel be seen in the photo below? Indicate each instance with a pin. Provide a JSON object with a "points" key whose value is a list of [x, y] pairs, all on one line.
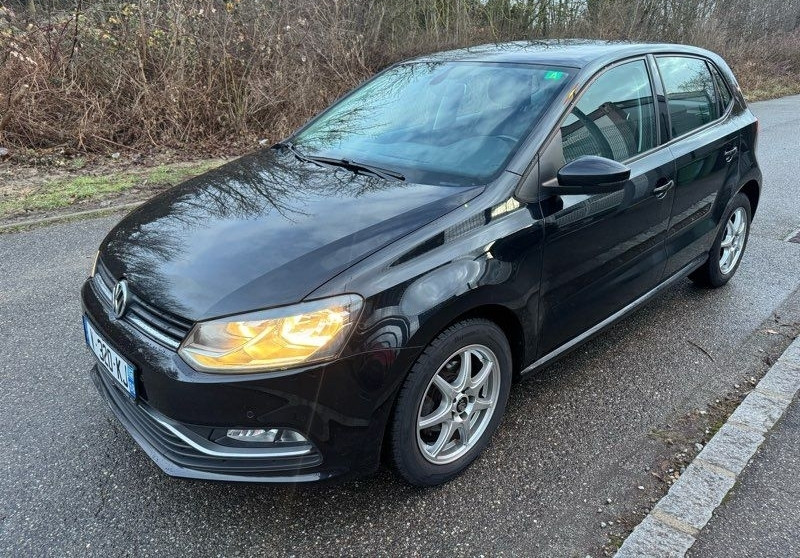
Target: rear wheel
{"points": [[451, 402], [729, 245]]}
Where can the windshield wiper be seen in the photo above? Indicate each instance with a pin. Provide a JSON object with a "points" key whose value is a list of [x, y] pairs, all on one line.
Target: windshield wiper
{"points": [[354, 166], [294, 151]]}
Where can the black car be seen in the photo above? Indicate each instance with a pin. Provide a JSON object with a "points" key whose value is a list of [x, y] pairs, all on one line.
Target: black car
{"points": [[371, 287]]}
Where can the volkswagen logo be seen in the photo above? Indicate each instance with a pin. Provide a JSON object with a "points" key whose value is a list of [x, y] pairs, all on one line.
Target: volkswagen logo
{"points": [[120, 298]]}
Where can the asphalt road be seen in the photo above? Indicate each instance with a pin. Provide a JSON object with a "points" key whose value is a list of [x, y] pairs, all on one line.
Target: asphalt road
{"points": [[73, 483]]}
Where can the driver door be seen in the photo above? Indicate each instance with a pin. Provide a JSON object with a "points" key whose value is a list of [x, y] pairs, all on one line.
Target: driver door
{"points": [[603, 251]]}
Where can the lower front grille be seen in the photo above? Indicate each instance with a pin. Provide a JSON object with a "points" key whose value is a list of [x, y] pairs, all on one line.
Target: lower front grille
{"points": [[182, 447]]}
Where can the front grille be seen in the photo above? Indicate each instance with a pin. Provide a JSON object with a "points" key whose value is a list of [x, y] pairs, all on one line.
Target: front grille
{"points": [[163, 327], [179, 445]]}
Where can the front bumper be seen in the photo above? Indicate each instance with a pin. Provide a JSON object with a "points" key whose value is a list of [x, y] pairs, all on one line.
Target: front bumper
{"points": [[342, 408], [180, 452]]}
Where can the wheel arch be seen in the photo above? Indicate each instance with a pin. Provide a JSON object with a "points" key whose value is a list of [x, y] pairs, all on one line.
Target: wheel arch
{"points": [[752, 190], [504, 317], [508, 322]]}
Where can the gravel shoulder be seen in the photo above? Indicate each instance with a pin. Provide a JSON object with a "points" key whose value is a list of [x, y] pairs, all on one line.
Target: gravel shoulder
{"points": [[678, 520]]}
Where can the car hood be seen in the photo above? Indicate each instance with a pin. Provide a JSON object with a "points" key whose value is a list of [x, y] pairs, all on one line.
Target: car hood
{"points": [[263, 231]]}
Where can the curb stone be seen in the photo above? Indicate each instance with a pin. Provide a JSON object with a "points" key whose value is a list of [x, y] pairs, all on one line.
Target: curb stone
{"points": [[676, 521]]}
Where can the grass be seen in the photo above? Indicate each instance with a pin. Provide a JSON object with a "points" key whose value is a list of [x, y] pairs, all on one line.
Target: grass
{"points": [[772, 90], [615, 541], [63, 192]]}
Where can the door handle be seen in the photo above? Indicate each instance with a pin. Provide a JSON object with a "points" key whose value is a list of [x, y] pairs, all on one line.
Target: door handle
{"points": [[730, 153], [661, 191]]}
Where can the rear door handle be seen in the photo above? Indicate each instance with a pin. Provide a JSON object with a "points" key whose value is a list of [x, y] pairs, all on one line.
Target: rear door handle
{"points": [[661, 191], [731, 153]]}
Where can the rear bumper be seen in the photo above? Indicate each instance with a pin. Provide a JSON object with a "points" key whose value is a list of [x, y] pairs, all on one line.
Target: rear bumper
{"points": [[341, 408]]}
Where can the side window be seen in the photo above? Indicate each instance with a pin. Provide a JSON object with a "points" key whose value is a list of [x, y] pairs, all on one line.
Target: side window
{"points": [[615, 116], [691, 96], [725, 96]]}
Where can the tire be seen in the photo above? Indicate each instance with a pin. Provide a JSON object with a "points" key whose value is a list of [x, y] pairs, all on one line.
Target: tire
{"points": [[477, 397], [717, 270]]}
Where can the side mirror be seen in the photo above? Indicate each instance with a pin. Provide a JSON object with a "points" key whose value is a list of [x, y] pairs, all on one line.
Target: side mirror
{"points": [[589, 175]]}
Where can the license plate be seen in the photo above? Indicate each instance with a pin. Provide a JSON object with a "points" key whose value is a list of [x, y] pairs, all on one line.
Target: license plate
{"points": [[119, 368]]}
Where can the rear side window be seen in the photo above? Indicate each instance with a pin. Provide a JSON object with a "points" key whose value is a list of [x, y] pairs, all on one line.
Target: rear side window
{"points": [[691, 96], [614, 117]]}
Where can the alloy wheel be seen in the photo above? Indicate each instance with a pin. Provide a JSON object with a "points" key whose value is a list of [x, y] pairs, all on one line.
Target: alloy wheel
{"points": [[732, 244], [458, 404]]}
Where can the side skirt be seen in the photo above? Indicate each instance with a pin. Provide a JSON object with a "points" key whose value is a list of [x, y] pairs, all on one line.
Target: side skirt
{"points": [[613, 318]]}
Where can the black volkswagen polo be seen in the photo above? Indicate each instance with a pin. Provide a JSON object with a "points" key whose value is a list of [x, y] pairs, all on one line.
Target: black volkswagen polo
{"points": [[371, 286]]}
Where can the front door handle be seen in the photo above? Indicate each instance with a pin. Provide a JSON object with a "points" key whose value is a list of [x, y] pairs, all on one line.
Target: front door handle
{"points": [[661, 191], [730, 153]]}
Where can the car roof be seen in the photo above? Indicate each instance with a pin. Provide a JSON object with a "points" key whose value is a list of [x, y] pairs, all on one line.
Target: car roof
{"points": [[576, 53]]}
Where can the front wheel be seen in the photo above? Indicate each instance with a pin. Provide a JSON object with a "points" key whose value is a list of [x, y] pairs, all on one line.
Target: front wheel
{"points": [[451, 402], [726, 252]]}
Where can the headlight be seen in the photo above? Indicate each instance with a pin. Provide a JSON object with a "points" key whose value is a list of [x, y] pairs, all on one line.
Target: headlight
{"points": [[273, 339]]}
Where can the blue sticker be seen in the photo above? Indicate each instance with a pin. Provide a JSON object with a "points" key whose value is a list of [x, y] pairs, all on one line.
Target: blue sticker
{"points": [[86, 332], [131, 384]]}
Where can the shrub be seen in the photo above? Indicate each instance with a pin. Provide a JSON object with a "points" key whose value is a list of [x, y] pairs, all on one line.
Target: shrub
{"points": [[210, 74]]}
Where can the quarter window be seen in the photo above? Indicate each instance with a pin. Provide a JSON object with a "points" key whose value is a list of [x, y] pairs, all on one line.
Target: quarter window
{"points": [[614, 118], [725, 96], [691, 97]]}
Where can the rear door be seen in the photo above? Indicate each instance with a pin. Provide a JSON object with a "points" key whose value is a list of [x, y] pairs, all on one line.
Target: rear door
{"points": [[706, 150], [603, 251]]}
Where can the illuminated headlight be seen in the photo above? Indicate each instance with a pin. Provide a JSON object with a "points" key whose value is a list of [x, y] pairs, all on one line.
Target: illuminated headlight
{"points": [[274, 339]]}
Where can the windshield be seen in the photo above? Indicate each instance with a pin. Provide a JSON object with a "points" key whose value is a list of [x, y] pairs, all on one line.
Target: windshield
{"points": [[450, 123]]}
